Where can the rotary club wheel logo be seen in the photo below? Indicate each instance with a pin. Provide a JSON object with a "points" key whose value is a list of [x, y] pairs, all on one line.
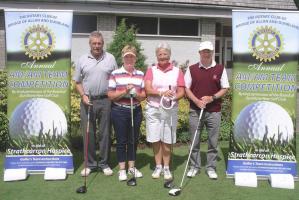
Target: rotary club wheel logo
{"points": [[38, 42], [266, 43]]}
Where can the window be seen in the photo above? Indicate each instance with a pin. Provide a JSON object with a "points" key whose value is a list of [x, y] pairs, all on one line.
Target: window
{"points": [[84, 23], [227, 31], [217, 46], [187, 27], [2, 20], [144, 25], [162, 26], [218, 30]]}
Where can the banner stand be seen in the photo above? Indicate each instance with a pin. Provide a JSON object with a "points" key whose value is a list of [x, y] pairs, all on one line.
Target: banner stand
{"points": [[38, 51], [264, 99], [285, 181], [247, 179], [15, 174], [55, 173]]}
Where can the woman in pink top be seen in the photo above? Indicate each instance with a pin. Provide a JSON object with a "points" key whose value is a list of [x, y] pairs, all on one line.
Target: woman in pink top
{"points": [[162, 81]]}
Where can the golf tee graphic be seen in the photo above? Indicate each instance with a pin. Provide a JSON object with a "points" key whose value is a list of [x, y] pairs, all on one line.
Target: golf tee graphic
{"points": [[38, 48], [266, 49]]}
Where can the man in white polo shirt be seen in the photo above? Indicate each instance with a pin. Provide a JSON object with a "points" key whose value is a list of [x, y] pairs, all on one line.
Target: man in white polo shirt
{"points": [[206, 82]]}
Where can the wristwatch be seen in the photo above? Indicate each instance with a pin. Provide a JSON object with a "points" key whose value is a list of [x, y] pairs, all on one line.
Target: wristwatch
{"points": [[214, 97]]}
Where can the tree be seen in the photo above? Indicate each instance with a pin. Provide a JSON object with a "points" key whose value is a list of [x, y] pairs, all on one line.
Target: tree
{"points": [[126, 35]]}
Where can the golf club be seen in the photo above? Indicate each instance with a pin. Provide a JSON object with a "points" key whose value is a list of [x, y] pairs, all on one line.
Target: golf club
{"points": [[177, 191], [83, 189], [169, 183], [132, 181]]}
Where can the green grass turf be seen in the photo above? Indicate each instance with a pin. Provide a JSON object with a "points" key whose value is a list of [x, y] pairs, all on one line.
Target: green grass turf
{"points": [[109, 188]]}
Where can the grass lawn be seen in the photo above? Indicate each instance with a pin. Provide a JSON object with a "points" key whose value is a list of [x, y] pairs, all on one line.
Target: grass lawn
{"points": [[109, 188]]}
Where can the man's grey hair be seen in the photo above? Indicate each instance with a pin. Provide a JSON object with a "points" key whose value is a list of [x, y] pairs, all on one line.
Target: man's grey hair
{"points": [[163, 45], [96, 34]]}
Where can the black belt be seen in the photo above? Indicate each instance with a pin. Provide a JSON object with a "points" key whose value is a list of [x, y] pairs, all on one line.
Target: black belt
{"points": [[126, 106], [97, 97]]}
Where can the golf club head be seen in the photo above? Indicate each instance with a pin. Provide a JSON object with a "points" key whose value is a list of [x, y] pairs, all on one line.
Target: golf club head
{"points": [[168, 184], [82, 189], [132, 182], [174, 192]]}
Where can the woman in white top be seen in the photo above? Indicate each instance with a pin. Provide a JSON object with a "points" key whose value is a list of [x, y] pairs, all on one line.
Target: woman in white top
{"points": [[162, 81]]}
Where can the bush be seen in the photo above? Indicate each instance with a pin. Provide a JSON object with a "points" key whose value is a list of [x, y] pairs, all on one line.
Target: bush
{"points": [[75, 135], [183, 120], [3, 131], [226, 123], [3, 111], [3, 91], [75, 106]]}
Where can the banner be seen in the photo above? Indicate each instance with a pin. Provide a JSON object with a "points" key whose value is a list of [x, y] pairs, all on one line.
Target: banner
{"points": [[38, 48], [265, 50]]}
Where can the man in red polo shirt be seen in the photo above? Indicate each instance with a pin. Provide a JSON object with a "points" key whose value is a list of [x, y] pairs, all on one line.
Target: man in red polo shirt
{"points": [[206, 82]]}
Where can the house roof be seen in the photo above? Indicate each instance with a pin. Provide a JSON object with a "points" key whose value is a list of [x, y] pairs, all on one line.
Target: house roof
{"points": [[268, 4], [171, 8], [254, 4]]}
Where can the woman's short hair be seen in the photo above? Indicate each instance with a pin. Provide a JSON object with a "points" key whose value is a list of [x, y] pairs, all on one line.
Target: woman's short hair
{"points": [[163, 45], [128, 49]]}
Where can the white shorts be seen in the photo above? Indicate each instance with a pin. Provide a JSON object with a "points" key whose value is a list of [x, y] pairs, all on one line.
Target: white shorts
{"points": [[158, 124]]}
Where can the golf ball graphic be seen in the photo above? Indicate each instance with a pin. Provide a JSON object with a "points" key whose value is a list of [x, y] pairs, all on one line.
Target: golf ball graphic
{"points": [[37, 116], [261, 120]]}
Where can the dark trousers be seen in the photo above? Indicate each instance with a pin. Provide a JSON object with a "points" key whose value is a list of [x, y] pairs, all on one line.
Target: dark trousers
{"points": [[99, 119], [122, 124]]}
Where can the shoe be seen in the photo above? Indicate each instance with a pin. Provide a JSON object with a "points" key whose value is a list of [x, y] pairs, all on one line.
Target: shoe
{"points": [[122, 175], [135, 171], [167, 174], [108, 171], [85, 172], [212, 174], [157, 172], [192, 172]]}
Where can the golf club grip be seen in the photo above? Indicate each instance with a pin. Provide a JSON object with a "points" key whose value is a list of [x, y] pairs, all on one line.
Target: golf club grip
{"points": [[131, 108], [88, 115]]}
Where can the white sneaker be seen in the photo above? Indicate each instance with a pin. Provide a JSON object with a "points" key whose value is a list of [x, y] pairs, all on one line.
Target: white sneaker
{"points": [[157, 172], [122, 175], [192, 172], [167, 174], [212, 174], [85, 172], [108, 171], [134, 170]]}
